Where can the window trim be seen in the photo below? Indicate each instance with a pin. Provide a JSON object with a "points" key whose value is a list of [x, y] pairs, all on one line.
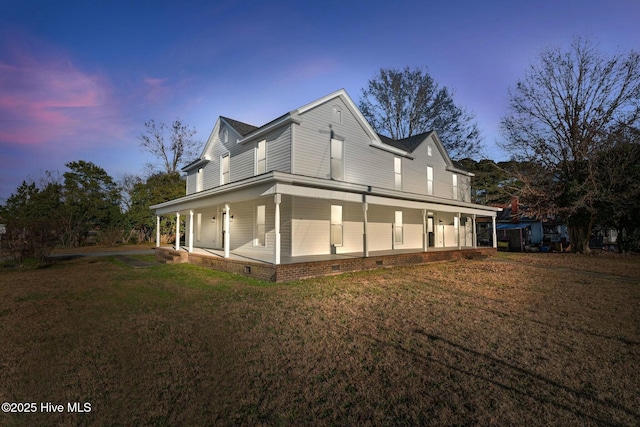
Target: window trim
{"points": [[430, 181], [258, 160], [257, 224], [222, 173], [198, 226], [337, 114], [200, 180], [397, 173], [398, 228], [454, 185], [332, 171], [333, 222]]}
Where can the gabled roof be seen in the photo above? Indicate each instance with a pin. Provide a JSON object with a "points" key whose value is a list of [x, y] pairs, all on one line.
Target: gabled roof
{"points": [[408, 144], [401, 147], [243, 129]]}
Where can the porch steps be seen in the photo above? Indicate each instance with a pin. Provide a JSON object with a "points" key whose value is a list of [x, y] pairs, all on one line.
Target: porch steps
{"points": [[171, 256]]}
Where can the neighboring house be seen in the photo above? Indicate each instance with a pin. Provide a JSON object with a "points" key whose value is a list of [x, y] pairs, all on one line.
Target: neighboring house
{"points": [[518, 230], [320, 181]]}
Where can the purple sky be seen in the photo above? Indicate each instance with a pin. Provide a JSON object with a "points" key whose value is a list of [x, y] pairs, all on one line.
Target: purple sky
{"points": [[78, 79]]}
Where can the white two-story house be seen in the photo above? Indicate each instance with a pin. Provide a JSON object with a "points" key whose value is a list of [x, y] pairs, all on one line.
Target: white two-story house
{"points": [[319, 181]]}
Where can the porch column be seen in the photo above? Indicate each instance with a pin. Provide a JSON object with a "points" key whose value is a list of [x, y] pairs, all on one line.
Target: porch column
{"points": [[157, 231], [459, 225], [474, 233], [436, 230], [495, 234], [425, 241], [365, 244], [177, 231], [226, 230], [191, 231], [277, 198]]}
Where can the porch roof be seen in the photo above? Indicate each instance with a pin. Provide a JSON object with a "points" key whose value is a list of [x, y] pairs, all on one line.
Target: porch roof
{"points": [[298, 185]]}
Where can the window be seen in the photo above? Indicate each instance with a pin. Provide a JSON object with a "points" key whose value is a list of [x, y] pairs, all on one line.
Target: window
{"points": [[225, 136], [397, 170], [429, 150], [429, 180], [455, 186], [336, 225], [199, 179], [261, 157], [224, 170], [260, 237], [337, 159], [337, 114], [198, 226], [397, 229]]}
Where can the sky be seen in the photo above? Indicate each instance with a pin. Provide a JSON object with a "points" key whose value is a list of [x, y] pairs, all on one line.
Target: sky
{"points": [[78, 79]]}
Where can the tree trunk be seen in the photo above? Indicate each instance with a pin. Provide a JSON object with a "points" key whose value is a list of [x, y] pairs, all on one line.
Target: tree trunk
{"points": [[579, 226]]}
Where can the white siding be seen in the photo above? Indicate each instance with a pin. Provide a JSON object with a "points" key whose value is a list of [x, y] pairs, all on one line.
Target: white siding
{"points": [[279, 150], [309, 155], [364, 164], [208, 230], [310, 226]]}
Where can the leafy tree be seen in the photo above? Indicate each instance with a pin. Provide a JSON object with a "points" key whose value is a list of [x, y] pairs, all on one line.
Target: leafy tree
{"points": [[171, 145], [91, 201], [403, 103], [618, 173], [31, 218], [493, 183], [156, 189], [560, 117]]}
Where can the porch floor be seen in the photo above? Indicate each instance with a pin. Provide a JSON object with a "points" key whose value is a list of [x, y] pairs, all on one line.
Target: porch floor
{"points": [[284, 259]]}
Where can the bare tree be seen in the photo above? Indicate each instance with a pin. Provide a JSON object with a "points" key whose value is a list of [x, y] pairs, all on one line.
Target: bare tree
{"points": [[560, 117], [400, 104], [172, 145]]}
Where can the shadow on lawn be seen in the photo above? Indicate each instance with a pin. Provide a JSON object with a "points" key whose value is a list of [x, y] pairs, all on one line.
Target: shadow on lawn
{"points": [[622, 340], [499, 313], [510, 371]]}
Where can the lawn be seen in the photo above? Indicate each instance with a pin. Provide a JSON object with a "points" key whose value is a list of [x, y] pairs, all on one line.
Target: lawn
{"points": [[526, 339]]}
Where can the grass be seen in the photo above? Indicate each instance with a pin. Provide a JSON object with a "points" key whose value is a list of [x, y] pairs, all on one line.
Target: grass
{"points": [[518, 339]]}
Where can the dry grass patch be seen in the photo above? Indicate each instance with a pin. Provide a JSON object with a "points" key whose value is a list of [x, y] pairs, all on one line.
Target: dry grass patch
{"points": [[471, 342]]}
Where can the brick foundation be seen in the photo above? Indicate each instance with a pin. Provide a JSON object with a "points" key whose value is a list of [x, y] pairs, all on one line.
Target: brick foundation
{"points": [[304, 270]]}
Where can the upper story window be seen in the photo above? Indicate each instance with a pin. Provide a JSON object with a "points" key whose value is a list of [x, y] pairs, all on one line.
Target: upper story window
{"points": [[337, 159], [225, 135], [429, 150], [200, 179], [397, 170], [429, 181], [455, 186], [261, 157], [337, 114], [224, 170]]}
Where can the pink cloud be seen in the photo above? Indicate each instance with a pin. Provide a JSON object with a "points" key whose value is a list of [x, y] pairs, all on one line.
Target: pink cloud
{"points": [[45, 97], [156, 90]]}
